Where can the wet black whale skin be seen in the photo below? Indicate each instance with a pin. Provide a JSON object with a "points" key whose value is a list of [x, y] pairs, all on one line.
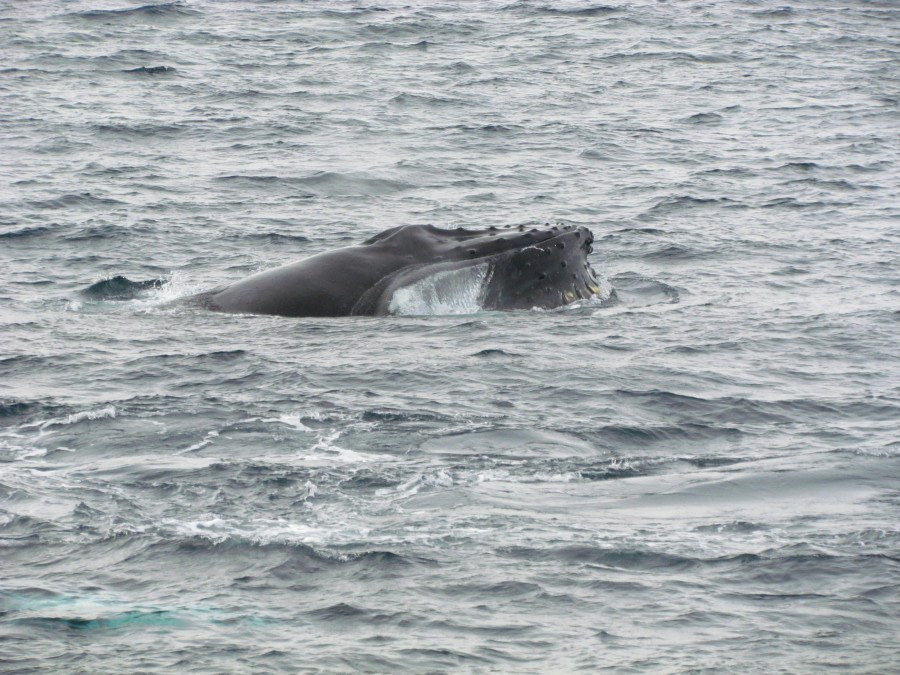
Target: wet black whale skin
{"points": [[542, 267]]}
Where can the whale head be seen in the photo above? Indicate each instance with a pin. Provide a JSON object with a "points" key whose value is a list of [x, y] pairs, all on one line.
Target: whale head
{"points": [[465, 271]]}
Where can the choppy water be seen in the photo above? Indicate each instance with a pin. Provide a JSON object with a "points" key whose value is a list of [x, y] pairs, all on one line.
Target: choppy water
{"points": [[701, 473]]}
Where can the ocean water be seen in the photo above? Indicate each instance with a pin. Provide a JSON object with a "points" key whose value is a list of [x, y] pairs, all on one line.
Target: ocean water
{"points": [[699, 474]]}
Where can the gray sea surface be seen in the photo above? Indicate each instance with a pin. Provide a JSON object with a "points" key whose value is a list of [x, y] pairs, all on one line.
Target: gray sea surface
{"points": [[699, 473]]}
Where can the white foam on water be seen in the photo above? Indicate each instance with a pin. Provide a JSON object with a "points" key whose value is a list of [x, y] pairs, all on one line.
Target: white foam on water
{"points": [[174, 287], [434, 479], [504, 476], [606, 288], [326, 448], [23, 441], [449, 292], [265, 531], [196, 446], [74, 418], [291, 420], [323, 452], [443, 479]]}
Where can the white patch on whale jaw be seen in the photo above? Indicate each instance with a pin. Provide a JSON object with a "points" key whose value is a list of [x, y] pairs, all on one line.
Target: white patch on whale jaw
{"points": [[459, 291]]}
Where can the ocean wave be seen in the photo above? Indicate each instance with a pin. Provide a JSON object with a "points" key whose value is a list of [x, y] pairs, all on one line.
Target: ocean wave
{"points": [[704, 118], [80, 200], [628, 559], [25, 232], [751, 411], [119, 288], [633, 290], [151, 70], [278, 238], [575, 10], [140, 129], [325, 183], [77, 417], [676, 203], [153, 11]]}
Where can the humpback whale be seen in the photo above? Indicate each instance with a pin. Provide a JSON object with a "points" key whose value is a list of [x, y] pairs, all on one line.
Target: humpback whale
{"points": [[493, 269]]}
